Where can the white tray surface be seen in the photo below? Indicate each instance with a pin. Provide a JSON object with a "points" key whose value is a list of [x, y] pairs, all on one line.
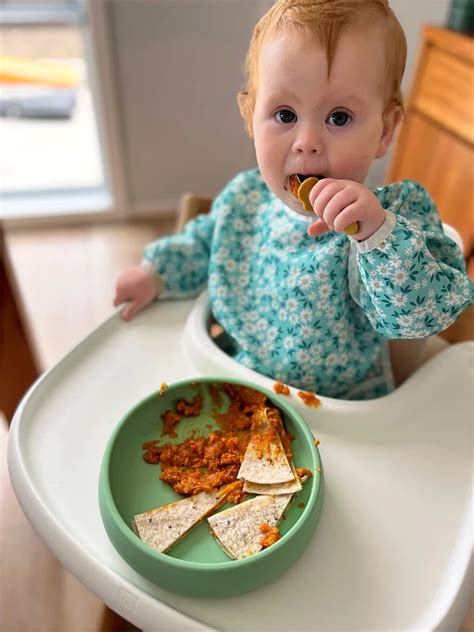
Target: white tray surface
{"points": [[391, 548]]}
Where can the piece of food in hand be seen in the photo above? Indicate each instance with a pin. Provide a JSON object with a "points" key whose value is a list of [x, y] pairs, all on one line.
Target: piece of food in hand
{"points": [[238, 529], [265, 460], [300, 187], [165, 526], [352, 228]]}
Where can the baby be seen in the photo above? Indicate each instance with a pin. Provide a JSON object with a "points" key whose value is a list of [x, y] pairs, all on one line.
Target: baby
{"points": [[304, 302]]}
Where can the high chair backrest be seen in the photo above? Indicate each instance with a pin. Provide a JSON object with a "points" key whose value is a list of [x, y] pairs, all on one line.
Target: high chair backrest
{"points": [[405, 354]]}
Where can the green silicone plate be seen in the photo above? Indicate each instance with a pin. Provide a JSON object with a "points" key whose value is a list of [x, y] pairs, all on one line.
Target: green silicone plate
{"points": [[197, 566]]}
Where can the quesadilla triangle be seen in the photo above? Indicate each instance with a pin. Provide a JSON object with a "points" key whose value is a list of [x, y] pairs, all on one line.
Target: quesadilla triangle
{"points": [[265, 460], [163, 527], [238, 529], [289, 487]]}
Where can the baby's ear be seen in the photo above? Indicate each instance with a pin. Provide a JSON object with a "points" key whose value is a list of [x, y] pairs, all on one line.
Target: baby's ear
{"points": [[392, 117], [246, 111]]}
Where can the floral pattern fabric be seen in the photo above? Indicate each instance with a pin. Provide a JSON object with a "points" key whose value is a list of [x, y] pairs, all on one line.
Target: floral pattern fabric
{"points": [[316, 313]]}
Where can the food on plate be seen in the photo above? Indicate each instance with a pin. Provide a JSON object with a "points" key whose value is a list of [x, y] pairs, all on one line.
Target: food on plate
{"points": [[238, 530], [245, 451], [163, 527], [265, 460], [275, 489]]}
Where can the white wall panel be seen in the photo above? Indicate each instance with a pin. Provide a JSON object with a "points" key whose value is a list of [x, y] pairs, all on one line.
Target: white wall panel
{"points": [[179, 66]]}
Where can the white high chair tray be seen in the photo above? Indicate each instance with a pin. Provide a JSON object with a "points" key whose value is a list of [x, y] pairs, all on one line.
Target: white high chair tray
{"points": [[393, 547]]}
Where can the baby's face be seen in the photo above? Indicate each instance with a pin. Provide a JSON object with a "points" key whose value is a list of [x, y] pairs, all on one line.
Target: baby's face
{"points": [[307, 123]]}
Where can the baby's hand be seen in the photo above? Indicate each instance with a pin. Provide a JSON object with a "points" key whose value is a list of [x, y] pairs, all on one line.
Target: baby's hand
{"points": [[339, 203], [137, 286]]}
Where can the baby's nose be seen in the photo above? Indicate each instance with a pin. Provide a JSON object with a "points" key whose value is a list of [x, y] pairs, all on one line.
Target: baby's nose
{"points": [[308, 141]]}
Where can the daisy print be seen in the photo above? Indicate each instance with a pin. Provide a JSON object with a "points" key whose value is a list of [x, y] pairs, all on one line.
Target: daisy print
{"points": [[254, 196], [399, 300], [431, 267], [238, 224], [293, 318], [400, 277], [306, 315], [305, 282]]}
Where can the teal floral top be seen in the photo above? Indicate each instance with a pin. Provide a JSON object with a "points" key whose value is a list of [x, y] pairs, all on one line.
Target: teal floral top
{"points": [[316, 313]]}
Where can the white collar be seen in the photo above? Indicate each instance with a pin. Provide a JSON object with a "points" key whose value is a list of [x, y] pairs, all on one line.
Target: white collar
{"points": [[302, 216]]}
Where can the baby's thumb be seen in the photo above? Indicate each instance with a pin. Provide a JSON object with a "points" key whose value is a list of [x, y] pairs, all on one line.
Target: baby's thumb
{"points": [[317, 228]]}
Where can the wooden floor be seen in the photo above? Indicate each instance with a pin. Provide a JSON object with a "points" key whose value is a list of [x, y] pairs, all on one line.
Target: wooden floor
{"points": [[66, 278]]}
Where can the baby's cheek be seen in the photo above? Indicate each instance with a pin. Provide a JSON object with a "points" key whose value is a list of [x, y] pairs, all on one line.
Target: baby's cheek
{"points": [[267, 167], [353, 166]]}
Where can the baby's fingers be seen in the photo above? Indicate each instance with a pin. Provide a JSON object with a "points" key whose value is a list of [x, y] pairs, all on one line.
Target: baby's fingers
{"points": [[123, 292], [131, 309], [322, 193], [118, 299]]}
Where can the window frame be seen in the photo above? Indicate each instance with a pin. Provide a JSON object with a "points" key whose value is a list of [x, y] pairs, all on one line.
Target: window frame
{"points": [[79, 204]]}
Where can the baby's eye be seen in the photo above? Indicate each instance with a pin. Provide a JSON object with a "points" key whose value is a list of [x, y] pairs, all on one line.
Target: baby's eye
{"points": [[339, 118], [285, 116]]}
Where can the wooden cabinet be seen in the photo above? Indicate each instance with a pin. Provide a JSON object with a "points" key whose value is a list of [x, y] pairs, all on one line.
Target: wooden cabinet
{"points": [[435, 146]]}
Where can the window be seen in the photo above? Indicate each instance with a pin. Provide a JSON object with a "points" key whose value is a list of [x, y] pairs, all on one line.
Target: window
{"points": [[50, 156]]}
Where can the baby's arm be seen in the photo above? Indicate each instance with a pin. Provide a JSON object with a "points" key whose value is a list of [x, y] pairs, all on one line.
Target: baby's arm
{"points": [[175, 266], [413, 278], [137, 286]]}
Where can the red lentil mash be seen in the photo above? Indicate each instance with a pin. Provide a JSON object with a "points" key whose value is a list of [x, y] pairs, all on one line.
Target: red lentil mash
{"points": [[281, 389], [302, 472], [270, 535], [203, 463], [309, 399]]}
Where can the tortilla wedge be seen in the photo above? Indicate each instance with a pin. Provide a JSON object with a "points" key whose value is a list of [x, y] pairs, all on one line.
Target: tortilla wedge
{"points": [[275, 489], [237, 530], [163, 527], [265, 460]]}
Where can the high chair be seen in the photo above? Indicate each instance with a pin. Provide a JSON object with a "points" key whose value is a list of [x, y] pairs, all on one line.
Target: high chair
{"points": [[393, 548]]}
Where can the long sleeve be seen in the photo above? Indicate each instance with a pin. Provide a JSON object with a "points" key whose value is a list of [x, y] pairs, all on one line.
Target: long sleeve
{"points": [[182, 260], [413, 278]]}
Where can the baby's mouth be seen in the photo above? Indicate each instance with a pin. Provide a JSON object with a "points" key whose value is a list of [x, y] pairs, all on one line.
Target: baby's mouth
{"points": [[300, 186]]}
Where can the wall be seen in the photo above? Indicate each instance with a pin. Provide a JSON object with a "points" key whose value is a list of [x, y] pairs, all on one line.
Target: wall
{"points": [[178, 66]]}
